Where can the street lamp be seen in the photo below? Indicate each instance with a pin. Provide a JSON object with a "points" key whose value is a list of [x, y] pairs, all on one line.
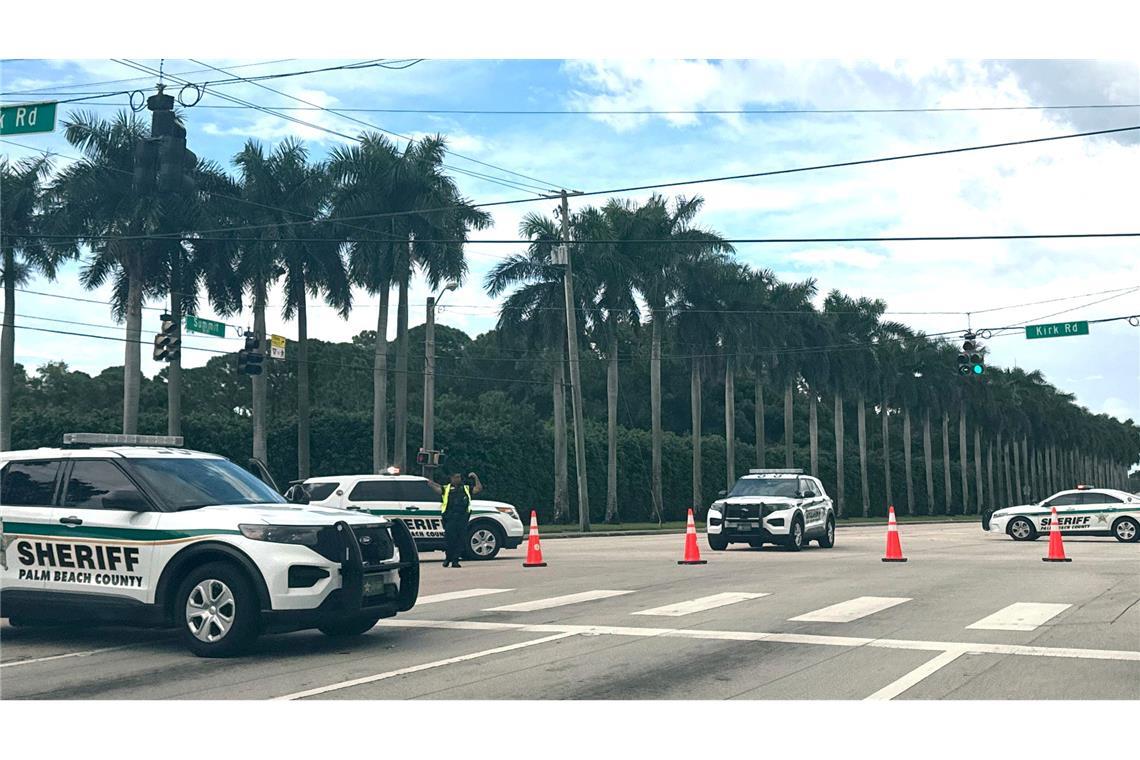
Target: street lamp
{"points": [[429, 375]]}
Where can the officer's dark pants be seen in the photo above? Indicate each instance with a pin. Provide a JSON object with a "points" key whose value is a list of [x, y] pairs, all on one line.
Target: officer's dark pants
{"points": [[455, 533]]}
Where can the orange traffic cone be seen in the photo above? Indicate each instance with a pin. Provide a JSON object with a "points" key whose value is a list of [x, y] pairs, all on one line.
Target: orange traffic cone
{"points": [[533, 547], [894, 548], [692, 553], [1056, 548]]}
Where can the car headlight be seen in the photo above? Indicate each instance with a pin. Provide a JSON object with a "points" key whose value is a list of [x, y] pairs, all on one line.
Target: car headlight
{"points": [[509, 511], [305, 535]]}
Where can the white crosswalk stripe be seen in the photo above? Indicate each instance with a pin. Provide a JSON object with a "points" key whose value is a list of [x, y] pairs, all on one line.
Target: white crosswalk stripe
{"points": [[557, 601], [464, 594], [852, 609], [701, 604], [1020, 616]]}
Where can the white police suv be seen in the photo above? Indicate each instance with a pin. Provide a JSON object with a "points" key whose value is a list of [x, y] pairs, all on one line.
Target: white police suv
{"points": [[773, 506], [493, 525], [1080, 511], [159, 535]]}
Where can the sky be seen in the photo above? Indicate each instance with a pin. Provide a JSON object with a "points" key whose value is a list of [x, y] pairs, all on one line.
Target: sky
{"points": [[1081, 185]]}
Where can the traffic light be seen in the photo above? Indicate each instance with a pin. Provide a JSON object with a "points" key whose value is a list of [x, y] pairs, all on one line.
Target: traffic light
{"points": [[250, 357], [162, 161], [972, 359], [168, 343], [146, 165], [176, 164]]}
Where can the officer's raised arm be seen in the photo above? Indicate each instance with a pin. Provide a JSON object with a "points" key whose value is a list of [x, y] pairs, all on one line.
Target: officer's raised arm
{"points": [[478, 485], [435, 486]]}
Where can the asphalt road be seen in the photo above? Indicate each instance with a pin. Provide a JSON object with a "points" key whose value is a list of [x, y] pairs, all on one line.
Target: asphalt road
{"points": [[970, 616]]}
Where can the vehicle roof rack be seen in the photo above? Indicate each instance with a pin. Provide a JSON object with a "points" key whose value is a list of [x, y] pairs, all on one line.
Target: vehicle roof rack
{"points": [[785, 471], [79, 440]]}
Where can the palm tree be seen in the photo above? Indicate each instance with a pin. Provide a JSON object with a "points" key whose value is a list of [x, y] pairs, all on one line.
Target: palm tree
{"points": [[24, 254], [656, 282], [96, 197]]}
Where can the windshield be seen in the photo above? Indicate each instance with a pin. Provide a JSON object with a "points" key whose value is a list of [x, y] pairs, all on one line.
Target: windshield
{"points": [[194, 483], [785, 487]]}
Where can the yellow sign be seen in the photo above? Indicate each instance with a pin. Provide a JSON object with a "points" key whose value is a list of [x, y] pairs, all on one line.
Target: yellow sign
{"points": [[277, 346]]}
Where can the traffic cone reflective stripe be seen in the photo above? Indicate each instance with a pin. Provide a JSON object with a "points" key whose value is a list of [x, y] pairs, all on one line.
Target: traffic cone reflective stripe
{"points": [[692, 553], [894, 548], [1056, 548], [533, 547]]}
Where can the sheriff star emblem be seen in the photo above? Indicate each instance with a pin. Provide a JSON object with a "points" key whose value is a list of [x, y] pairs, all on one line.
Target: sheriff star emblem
{"points": [[1102, 519]]}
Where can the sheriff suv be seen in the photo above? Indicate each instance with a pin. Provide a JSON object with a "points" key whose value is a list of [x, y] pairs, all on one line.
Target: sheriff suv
{"points": [[492, 526], [772, 506], [1080, 511], [159, 535]]}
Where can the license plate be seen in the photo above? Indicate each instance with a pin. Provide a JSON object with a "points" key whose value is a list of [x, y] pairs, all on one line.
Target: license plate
{"points": [[373, 585], [745, 525]]}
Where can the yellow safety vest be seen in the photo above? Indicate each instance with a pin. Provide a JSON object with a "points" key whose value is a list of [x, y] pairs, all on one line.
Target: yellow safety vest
{"points": [[447, 491]]}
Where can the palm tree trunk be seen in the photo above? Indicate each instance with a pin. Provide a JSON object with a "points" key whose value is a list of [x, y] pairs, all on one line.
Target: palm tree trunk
{"points": [[990, 476], [1034, 478], [260, 382], [948, 494], [1005, 469], [1026, 494], [1053, 480], [887, 451], [611, 430], [730, 420], [695, 407], [380, 385], [132, 352], [655, 416], [400, 445], [861, 410], [907, 461], [759, 414], [813, 431], [839, 469], [928, 458], [1017, 473], [8, 350], [561, 466], [788, 426], [978, 469], [964, 458], [174, 368], [302, 388]]}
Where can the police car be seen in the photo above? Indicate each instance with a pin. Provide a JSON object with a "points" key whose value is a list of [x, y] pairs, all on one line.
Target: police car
{"points": [[1081, 511], [493, 525], [773, 506], [159, 535]]}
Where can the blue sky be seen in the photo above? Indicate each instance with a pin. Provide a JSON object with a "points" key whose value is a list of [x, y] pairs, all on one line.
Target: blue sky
{"points": [[1069, 186]]}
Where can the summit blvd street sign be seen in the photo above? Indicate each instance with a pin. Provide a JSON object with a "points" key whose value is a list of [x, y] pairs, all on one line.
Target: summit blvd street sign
{"points": [[1056, 330], [25, 119]]}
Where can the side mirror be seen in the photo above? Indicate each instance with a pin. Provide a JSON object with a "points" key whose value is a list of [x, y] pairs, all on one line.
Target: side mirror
{"points": [[127, 499]]}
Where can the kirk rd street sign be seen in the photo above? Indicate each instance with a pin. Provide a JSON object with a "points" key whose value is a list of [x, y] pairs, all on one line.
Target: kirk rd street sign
{"points": [[1056, 330], [28, 118]]}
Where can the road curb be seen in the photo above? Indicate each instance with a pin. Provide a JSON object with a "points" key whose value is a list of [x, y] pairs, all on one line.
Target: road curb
{"points": [[700, 529]]}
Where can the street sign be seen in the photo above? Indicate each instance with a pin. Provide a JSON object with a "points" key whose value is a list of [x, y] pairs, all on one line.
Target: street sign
{"points": [[205, 326], [277, 346], [27, 118], [1056, 330]]}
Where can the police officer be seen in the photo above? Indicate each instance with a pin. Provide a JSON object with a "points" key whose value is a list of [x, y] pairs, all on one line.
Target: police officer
{"points": [[456, 509]]}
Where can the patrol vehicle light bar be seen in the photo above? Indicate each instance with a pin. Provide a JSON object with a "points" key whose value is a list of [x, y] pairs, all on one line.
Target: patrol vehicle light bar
{"points": [[777, 472], [111, 439]]}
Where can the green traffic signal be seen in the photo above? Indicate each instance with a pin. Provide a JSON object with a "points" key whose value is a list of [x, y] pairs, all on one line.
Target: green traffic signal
{"points": [[979, 369]]}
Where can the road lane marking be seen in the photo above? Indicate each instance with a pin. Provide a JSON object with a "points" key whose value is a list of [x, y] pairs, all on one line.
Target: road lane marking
{"points": [[464, 594], [86, 653], [852, 609], [701, 604], [424, 666], [557, 601], [895, 688], [1020, 616], [779, 638]]}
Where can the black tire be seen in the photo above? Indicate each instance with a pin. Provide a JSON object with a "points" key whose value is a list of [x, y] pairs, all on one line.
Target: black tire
{"points": [[795, 540], [1025, 530], [717, 542], [1127, 526], [353, 625], [490, 538], [241, 608], [827, 540]]}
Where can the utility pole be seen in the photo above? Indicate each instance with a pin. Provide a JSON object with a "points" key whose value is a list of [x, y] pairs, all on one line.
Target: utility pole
{"points": [[575, 382], [429, 380]]}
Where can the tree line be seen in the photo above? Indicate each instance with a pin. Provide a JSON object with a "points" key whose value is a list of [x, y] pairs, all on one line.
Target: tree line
{"points": [[659, 297]]}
